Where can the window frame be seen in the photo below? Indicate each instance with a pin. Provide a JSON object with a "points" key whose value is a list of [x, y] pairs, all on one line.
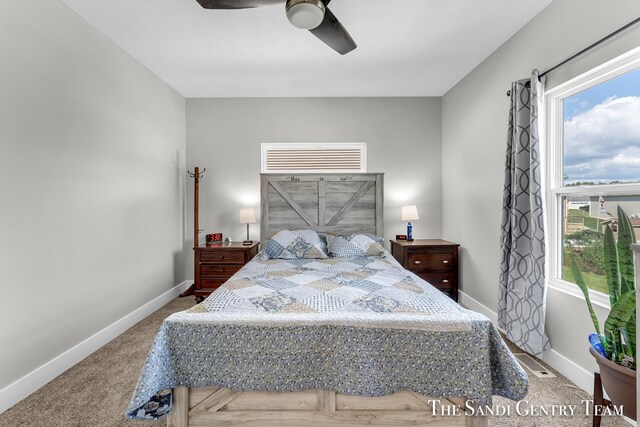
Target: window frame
{"points": [[553, 154]]}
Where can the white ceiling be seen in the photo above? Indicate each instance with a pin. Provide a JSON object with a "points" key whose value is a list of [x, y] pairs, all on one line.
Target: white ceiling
{"points": [[405, 47]]}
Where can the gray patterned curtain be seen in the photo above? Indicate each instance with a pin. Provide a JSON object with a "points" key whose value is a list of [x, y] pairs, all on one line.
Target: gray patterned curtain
{"points": [[521, 308]]}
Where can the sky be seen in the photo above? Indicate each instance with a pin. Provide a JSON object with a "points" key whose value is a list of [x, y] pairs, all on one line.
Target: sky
{"points": [[602, 131]]}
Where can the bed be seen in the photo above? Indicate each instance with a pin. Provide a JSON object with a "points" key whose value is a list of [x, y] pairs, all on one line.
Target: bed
{"points": [[325, 341]]}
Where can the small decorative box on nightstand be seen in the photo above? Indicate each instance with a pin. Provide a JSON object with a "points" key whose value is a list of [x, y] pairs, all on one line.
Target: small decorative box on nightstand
{"points": [[435, 261], [216, 263]]}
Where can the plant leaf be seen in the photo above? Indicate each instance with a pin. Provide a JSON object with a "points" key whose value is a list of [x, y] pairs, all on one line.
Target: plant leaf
{"points": [[577, 275], [614, 337], [626, 236], [621, 313], [611, 265], [629, 333]]}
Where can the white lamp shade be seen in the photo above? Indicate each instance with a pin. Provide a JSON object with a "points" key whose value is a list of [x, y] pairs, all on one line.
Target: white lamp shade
{"points": [[409, 213], [247, 216]]}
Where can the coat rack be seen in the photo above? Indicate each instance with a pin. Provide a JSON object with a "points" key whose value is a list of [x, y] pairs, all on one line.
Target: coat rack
{"points": [[196, 175]]}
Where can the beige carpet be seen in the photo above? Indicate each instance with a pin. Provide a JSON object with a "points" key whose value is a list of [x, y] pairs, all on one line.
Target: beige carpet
{"points": [[96, 392], [546, 392]]}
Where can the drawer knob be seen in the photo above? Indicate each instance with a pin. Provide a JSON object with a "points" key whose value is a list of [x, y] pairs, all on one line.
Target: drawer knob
{"points": [[445, 262], [222, 270], [445, 281], [416, 262], [221, 256]]}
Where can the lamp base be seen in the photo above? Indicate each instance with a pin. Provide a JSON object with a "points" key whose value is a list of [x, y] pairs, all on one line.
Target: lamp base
{"points": [[247, 242]]}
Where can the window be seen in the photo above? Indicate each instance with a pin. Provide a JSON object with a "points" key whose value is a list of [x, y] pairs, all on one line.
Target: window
{"points": [[593, 165], [314, 157]]}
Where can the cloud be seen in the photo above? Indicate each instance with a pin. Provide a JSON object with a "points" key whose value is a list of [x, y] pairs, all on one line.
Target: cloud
{"points": [[576, 105], [603, 143]]}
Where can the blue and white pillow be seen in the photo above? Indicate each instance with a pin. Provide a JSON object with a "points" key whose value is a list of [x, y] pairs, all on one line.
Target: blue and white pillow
{"points": [[378, 239], [352, 246], [294, 244]]}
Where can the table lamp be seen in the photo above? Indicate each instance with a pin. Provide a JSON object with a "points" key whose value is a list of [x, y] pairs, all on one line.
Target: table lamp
{"points": [[247, 216], [409, 213]]}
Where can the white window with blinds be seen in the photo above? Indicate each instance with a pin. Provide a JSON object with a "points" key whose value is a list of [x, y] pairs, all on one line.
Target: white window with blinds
{"points": [[314, 157]]}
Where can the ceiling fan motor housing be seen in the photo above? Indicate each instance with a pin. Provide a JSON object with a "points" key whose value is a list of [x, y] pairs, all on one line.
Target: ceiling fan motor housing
{"points": [[305, 14]]}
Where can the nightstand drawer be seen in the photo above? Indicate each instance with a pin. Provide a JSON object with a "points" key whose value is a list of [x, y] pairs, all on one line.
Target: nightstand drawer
{"points": [[431, 250], [212, 282], [434, 260], [222, 256], [419, 262], [440, 280], [217, 262], [224, 270]]}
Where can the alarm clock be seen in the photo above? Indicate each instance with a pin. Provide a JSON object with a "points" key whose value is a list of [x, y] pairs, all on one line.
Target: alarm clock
{"points": [[214, 238], [401, 237]]}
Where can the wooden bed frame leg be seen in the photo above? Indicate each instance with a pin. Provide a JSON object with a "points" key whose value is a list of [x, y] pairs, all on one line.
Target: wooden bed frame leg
{"points": [[326, 401], [477, 420], [179, 415]]}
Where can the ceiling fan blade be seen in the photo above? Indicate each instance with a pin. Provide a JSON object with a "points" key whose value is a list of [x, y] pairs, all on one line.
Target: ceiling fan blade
{"points": [[237, 4], [333, 34]]}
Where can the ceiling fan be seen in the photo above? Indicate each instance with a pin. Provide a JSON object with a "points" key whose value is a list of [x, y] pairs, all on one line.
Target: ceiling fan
{"points": [[312, 15]]}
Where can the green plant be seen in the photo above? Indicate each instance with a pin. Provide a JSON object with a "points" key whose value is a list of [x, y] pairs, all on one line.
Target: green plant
{"points": [[586, 245], [619, 338]]}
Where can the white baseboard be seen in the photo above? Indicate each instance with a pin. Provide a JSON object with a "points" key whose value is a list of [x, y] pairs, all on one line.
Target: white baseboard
{"points": [[23, 387], [474, 305], [575, 373]]}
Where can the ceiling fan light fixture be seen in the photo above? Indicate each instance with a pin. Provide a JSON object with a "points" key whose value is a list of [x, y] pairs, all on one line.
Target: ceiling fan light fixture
{"points": [[305, 14]]}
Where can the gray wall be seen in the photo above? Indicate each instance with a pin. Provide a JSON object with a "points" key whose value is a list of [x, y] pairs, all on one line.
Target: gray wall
{"points": [[402, 136], [92, 152], [474, 130]]}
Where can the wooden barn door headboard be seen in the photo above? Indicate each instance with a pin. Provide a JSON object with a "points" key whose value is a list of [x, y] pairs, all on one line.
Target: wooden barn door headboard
{"points": [[323, 202]]}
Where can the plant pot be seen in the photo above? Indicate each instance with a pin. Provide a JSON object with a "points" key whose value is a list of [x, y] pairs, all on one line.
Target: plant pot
{"points": [[619, 383]]}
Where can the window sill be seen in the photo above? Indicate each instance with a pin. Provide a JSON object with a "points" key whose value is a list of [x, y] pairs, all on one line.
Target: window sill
{"points": [[597, 298]]}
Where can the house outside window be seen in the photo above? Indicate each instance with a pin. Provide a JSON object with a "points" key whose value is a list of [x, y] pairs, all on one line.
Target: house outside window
{"points": [[592, 167]]}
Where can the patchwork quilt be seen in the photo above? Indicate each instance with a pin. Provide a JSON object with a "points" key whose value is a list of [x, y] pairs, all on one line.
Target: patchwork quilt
{"points": [[361, 326]]}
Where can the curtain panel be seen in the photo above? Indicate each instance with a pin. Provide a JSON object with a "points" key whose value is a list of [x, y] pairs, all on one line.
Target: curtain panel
{"points": [[521, 307]]}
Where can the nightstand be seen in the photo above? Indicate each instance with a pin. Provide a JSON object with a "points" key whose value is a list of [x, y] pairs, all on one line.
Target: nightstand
{"points": [[435, 261], [216, 263]]}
